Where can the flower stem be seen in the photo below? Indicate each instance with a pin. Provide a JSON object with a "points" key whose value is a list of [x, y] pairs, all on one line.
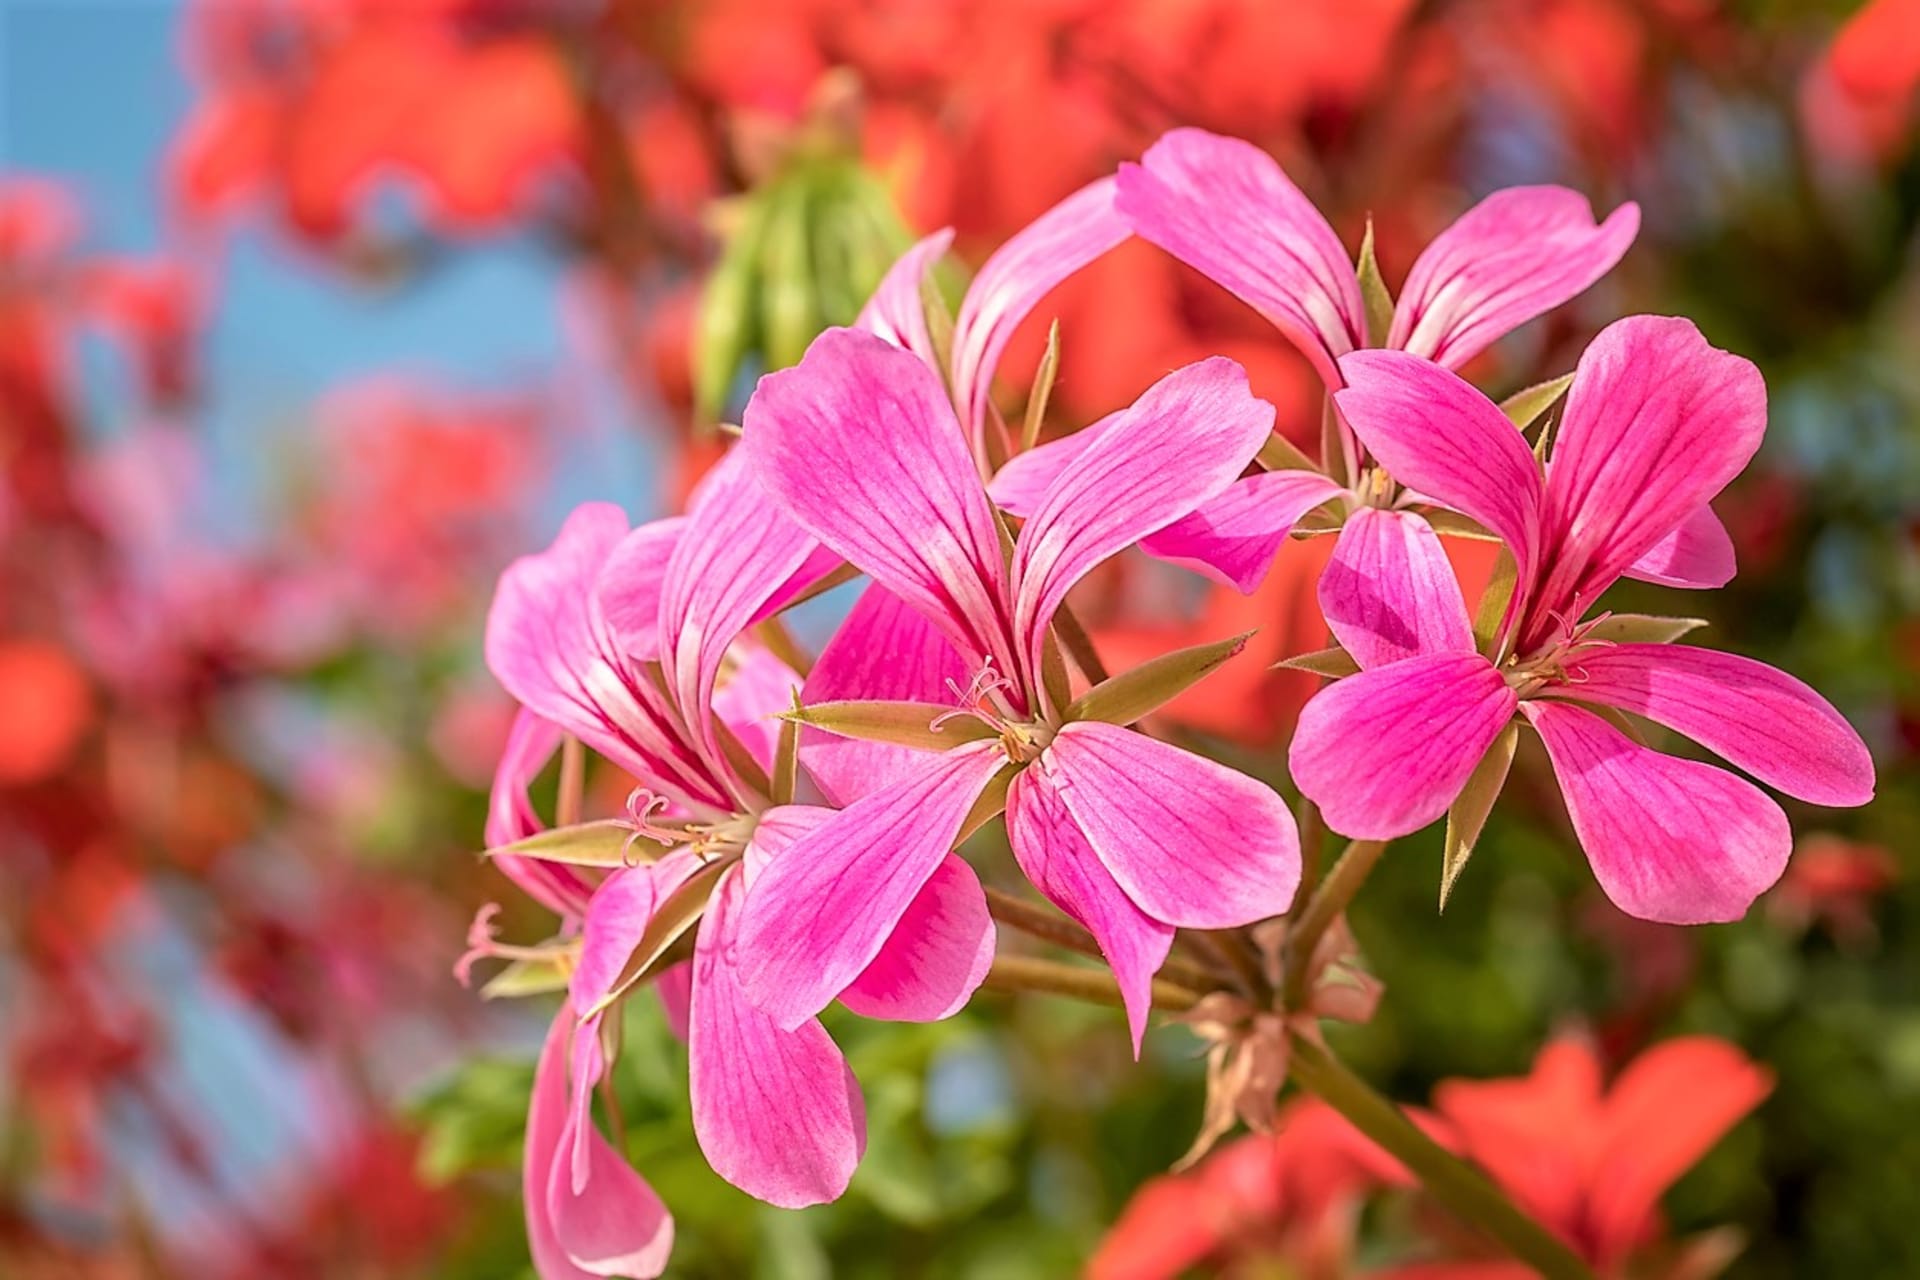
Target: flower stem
{"points": [[1096, 986], [1329, 898], [1039, 922], [1454, 1183], [1079, 645]]}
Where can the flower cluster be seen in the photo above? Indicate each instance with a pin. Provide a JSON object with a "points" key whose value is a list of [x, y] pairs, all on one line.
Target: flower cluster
{"points": [[811, 812]]}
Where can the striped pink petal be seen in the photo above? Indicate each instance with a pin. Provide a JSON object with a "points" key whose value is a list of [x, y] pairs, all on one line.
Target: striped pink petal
{"points": [[897, 311], [936, 957], [1388, 592], [1233, 538], [1698, 554]]}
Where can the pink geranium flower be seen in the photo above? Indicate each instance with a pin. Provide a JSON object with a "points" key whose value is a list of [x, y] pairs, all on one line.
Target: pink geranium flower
{"points": [[620, 638], [1130, 836], [1225, 208], [1656, 423]]}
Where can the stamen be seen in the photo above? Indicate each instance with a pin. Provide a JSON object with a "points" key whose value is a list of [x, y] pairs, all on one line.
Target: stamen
{"points": [[482, 944], [973, 699], [642, 807]]}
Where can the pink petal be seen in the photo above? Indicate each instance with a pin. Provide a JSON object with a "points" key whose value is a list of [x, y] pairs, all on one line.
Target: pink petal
{"points": [[1697, 554], [1438, 435], [758, 688], [1055, 855], [1670, 840], [1193, 843], [859, 444], [511, 816], [776, 1112], [1234, 537], [674, 986], [823, 910], [937, 956], [619, 913], [1183, 442], [1012, 282], [1019, 485], [627, 589], [897, 311], [1516, 255], [617, 1226], [1223, 207], [736, 552], [1657, 423], [1759, 718], [1389, 592], [1385, 752], [884, 651]]}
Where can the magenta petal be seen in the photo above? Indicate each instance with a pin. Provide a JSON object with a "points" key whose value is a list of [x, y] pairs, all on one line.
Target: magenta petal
{"points": [[1183, 442], [1670, 840], [1194, 843], [617, 1226], [1759, 718], [897, 311], [1389, 592], [1516, 255], [1437, 434], [822, 911], [859, 444], [1223, 207], [1062, 865], [511, 816], [1012, 282], [618, 914], [627, 589], [674, 987], [757, 689], [1698, 554], [1234, 537], [737, 551], [884, 651], [1385, 752], [1017, 487], [776, 1112], [937, 956], [1657, 423]]}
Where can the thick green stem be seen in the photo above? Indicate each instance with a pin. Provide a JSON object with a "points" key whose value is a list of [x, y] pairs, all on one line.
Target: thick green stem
{"points": [[1458, 1186], [1096, 986], [1330, 897]]}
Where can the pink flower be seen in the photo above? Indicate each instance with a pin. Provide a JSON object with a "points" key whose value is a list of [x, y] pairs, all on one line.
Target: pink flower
{"points": [[1223, 207], [1130, 836], [1657, 422], [619, 637]]}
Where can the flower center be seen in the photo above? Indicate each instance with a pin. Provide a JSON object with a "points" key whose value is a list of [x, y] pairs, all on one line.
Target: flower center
{"points": [[983, 700], [1557, 661]]}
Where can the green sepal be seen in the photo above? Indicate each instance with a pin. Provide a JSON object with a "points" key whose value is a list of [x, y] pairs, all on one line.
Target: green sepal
{"points": [[1043, 378], [1467, 817], [1134, 694], [608, 842], [901, 724], [1523, 407], [527, 978], [1373, 292], [1642, 628], [1334, 663]]}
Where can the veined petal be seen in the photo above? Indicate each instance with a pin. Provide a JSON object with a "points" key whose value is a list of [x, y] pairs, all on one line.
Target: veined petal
{"points": [[755, 689], [618, 914], [627, 589], [737, 551], [617, 1226], [776, 1112], [1223, 207], [859, 444], [1383, 753], [937, 956], [1018, 486], [1760, 718], [1437, 434], [884, 651], [1012, 282], [1517, 254], [897, 311], [1389, 592], [1234, 537], [1657, 423], [1698, 554], [1193, 843], [1183, 442], [511, 816], [1670, 840], [820, 913], [1054, 854]]}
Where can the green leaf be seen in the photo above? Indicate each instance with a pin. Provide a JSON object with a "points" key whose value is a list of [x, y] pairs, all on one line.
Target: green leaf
{"points": [[1334, 663], [1523, 407], [726, 327], [1133, 694], [1373, 291], [527, 978], [1493, 604], [1282, 454], [903, 724], [606, 843], [1467, 818], [1642, 628], [1042, 390], [675, 916]]}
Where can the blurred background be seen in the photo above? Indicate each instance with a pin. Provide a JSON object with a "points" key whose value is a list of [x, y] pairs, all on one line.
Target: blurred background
{"points": [[314, 313]]}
